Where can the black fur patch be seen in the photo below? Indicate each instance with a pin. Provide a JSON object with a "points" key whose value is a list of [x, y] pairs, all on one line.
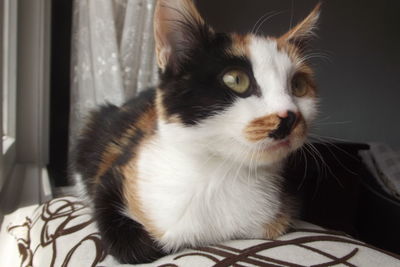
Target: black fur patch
{"points": [[90, 145], [124, 238], [195, 90], [285, 126], [106, 125]]}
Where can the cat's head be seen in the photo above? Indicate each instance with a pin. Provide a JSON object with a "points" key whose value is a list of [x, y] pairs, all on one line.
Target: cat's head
{"points": [[248, 97]]}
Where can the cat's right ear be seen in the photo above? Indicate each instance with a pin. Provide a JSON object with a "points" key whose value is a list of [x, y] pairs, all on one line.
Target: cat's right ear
{"points": [[178, 27], [302, 33]]}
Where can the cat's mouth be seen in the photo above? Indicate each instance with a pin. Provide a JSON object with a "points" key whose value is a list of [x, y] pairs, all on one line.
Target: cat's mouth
{"points": [[281, 146], [293, 141], [270, 149], [278, 149]]}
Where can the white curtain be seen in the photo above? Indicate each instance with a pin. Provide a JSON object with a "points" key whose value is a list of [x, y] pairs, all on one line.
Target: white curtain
{"points": [[112, 54]]}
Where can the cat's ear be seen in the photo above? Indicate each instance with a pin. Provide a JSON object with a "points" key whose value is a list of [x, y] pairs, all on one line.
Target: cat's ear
{"points": [[178, 27], [301, 34]]}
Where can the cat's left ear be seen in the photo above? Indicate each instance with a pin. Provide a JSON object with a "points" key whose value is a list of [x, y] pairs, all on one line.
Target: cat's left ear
{"points": [[178, 27], [301, 34]]}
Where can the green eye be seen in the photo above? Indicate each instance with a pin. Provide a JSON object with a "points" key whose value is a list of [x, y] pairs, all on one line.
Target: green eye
{"points": [[236, 80], [299, 85]]}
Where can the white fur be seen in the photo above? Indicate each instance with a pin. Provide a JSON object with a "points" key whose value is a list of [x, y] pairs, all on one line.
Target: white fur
{"points": [[80, 190], [194, 197], [204, 184], [273, 71]]}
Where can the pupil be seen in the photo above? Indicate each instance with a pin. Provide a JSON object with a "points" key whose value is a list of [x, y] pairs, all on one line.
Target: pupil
{"points": [[237, 80]]}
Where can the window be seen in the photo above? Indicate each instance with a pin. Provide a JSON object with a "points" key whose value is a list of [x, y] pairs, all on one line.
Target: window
{"points": [[24, 87], [8, 84]]}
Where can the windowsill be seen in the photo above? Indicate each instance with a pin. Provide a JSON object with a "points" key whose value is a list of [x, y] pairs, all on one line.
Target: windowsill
{"points": [[8, 143], [9, 155], [27, 185]]}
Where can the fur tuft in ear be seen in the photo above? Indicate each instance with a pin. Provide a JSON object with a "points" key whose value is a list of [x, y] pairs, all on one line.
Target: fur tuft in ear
{"points": [[304, 31], [178, 27]]}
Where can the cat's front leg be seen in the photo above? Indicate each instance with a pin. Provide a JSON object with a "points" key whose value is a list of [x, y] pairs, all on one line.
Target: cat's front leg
{"points": [[277, 227]]}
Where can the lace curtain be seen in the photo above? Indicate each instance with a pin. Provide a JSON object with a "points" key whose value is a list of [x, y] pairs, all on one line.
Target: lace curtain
{"points": [[112, 54]]}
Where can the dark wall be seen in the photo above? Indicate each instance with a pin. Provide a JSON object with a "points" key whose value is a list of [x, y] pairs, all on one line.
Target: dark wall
{"points": [[360, 82]]}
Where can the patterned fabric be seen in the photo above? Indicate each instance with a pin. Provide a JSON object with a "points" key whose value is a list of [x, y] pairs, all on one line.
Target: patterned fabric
{"points": [[58, 233], [61, 233], [305, 247]]}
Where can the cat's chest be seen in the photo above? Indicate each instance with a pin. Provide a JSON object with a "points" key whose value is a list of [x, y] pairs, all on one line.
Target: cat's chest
{"points": [[213, 198]]}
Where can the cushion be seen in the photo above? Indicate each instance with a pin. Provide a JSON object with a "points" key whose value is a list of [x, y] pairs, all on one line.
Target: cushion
{"points": [[61, 232]]}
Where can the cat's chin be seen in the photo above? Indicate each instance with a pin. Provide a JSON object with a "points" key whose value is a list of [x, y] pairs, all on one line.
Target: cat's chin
{"points": [[278, 150], [283, 144]]}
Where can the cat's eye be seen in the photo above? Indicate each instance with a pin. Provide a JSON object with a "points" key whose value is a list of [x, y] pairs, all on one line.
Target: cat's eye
{"points": [[299, 85], [236, 80]]}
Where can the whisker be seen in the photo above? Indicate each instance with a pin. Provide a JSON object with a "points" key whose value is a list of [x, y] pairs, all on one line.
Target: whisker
{"points": [[266, 19], [333, 123], [260, 19], [317, 164], [325, 144], [250, 166], [302, 153], [291, 15], [329, 140], [310, 152], [328, 167]]}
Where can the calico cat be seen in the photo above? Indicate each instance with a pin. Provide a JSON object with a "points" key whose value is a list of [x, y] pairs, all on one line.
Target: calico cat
{"points": [[198, 160]]}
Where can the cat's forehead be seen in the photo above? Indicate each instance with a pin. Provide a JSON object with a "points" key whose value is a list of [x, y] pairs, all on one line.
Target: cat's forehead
{"points": [[265, 52]]}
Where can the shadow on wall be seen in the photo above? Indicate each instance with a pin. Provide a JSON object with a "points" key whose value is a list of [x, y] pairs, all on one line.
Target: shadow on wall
{"points": [[357, 59]]}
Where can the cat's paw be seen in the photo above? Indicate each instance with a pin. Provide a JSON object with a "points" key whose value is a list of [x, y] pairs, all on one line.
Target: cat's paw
{"points": [[278, 226]]}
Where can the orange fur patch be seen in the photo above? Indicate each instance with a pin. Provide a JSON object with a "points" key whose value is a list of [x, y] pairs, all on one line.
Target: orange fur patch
{"points": [[113, 150], [239, 45], [159, 105], [300, 129], [161, 110], [291, 50], [278, 226], [133, 202], [110, 154], [305, 27], [259, 128], [146, 123]]}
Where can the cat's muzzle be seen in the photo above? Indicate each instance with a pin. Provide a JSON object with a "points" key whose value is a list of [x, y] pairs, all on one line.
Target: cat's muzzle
{"points": [[285, 127]]}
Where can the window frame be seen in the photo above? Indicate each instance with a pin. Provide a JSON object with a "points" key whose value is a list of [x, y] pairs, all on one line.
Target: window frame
{"points": [[8, 72], [23, 174]]}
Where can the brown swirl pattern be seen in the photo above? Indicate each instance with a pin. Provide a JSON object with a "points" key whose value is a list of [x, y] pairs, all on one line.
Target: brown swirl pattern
{"points": [[224, 256], [62, 214], [63, 217]]}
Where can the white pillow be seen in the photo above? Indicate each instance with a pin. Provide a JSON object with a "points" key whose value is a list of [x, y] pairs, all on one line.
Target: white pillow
{"points": [[61, 233]]}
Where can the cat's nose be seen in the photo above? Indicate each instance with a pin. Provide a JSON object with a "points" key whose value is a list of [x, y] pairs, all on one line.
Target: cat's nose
{"points": [[288, 120]]}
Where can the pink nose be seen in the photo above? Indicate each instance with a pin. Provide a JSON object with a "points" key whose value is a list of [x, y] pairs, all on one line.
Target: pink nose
{"points": [[284, 114]]}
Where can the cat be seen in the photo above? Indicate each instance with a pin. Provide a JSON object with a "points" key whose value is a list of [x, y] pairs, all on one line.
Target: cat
{"points": [[198, 160]]}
